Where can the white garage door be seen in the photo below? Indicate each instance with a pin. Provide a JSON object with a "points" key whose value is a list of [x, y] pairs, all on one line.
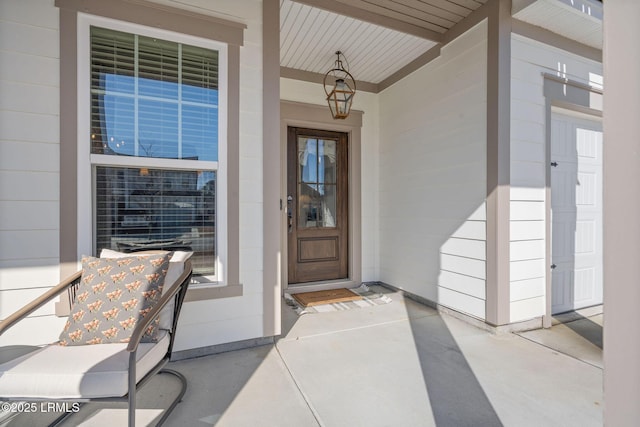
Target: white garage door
{"points": [[576, 206]]}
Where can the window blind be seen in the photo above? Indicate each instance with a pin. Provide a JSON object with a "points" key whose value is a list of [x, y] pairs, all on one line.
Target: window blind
{"points": [[152, 97]]}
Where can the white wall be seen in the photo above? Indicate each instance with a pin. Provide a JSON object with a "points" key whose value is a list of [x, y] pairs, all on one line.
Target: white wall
{"points": [[530, 59], [29, 174], [29, 161], [312, 93], [433, 178]]}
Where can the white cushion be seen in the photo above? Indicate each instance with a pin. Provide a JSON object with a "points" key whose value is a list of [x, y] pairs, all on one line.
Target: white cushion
{"points": [[176, 267], [78, 372]]}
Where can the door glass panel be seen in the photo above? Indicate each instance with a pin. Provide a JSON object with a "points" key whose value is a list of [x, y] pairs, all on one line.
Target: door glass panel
{"points": [[328, 204], [327, 159], [316, 205], [317, 173], [308, 160], [309, 213]]}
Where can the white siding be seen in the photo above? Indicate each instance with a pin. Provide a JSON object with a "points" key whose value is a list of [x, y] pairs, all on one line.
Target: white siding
{"points": [[29, 175], [530, 59], [29, 162], [433, 178]]}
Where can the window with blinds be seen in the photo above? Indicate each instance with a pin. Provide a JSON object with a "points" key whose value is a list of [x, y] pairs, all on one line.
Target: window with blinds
{"points": [[153, 100]]}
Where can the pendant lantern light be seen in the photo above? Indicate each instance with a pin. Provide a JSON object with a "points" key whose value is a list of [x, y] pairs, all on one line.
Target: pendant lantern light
{"points": [[340, 87]]}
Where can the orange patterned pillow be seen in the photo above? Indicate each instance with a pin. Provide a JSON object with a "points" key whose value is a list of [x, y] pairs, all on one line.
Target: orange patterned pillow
{"points": [[114, 293]]}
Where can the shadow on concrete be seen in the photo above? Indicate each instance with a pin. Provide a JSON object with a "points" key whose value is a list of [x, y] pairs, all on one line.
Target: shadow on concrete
{"points": [[212, 391], [457, 398], [587, 329]]}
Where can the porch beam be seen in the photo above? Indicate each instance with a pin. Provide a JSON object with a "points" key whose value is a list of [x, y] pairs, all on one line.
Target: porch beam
{"points": [[312, 77], [553, 39], [68, 149], [621, 209], [414, 65], [272, 203], [470, 21], [498, 161], [519, 5]]}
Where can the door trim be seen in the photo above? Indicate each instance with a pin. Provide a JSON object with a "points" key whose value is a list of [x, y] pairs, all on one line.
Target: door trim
{"points": [[297, 114], [573, 97]]}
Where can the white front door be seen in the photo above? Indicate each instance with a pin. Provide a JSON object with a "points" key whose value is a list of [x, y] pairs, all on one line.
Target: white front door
{"points": [[576, 211]]}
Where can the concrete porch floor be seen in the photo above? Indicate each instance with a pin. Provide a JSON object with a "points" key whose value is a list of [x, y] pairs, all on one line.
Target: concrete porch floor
{"points": [[400, 364]]}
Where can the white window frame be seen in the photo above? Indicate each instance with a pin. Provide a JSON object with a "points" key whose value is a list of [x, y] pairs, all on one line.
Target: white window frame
{"points": [[87, 161]]}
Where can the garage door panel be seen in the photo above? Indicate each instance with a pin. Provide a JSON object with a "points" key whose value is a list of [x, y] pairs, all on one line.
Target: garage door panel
{"points": [[561, 289], [586, 189], [563, 182], [576, 205], [585, 237], [587, 143], [562, 149], [584, 285], [561, 241]]}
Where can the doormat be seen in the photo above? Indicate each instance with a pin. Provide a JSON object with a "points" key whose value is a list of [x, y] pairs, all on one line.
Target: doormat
{"points": [[309, 299], [366, 298]]}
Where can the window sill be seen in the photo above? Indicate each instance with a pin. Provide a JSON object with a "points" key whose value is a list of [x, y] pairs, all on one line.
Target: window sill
{"points": [[207, 292], [201, 292]]}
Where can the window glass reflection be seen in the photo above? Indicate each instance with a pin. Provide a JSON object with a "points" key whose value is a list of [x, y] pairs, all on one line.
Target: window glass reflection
{"points": [[152, 97], [141, 209]]}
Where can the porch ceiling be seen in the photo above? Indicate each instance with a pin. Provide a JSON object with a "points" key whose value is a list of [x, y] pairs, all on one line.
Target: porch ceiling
{"points": [[579, 20], [378, 37], [383, 40]]}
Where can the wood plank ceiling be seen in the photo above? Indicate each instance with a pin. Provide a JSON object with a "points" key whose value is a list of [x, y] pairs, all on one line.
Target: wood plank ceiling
{"points": [[436, 15], [377, 37]]}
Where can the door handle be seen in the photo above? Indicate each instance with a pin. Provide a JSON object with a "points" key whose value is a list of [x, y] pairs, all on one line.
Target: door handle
{"points": [[290, 213], [553, 266]]}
